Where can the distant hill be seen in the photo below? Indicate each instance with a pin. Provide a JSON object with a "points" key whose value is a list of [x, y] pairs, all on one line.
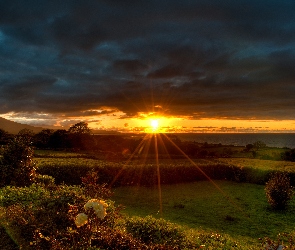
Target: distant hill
{"points": [[14, 127]]}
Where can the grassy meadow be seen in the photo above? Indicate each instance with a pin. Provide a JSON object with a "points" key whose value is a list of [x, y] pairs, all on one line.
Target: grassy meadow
{"points": [[237, 210]]}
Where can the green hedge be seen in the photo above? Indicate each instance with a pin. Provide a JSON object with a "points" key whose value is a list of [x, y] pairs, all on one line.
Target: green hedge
{"points": [[120, 175]]}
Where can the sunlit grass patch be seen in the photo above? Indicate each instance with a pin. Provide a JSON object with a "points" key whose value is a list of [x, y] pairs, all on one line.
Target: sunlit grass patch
{"points": [[57, 154], [260, 164], [244, 214]]}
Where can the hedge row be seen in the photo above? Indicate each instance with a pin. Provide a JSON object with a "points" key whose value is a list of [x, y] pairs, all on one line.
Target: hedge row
{"points": [[119, 175]]}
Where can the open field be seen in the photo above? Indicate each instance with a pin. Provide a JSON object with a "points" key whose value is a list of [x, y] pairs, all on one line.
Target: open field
{"points": [[243, 213]]}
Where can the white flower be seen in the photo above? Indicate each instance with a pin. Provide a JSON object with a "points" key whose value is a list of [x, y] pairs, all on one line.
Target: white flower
{"points": [[81, 219], [98, 206]]}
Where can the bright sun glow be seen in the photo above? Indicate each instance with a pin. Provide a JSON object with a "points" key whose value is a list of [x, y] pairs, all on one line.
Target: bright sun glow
{"points": [[155, 124]]}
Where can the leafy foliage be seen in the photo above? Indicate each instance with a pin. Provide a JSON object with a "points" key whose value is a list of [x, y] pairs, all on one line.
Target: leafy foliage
{"points": [[39, 215], [4, 137], [92, 188], [42, 218], [41, 139], [156, 231], [59, 139], [45, 180], [80, 128], [70, 171], [289, 155], [283, 241], [279, 190], [17, 166], [259, 144]]}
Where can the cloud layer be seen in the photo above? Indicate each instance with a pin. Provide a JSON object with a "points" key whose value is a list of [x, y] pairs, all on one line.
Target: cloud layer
{"points": [[195, 59]]}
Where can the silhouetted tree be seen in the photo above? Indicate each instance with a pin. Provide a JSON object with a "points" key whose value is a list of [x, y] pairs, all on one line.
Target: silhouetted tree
{"points": [[289, 155], [59, 139], [190, 149], [259, 144], [26, 134], [80, 137], [41, 139], [249, 147], [80, 128], [4, 137]]}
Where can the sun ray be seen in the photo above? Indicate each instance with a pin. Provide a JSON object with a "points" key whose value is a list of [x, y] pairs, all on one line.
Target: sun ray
{"points": [[158, 175], [216, 186], [128, 161], [146, 149]]}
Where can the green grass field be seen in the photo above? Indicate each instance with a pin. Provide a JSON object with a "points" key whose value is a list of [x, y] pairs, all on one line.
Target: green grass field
{"points": [[236, 209]]}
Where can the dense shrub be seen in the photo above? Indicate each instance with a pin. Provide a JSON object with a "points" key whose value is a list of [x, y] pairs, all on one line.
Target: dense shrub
{"points": [[16, 165], [45, 180], [43, 216], [66, 173], [279, 190], [120, 175], [92, 188], [289, 155], [156, 231], [36, 211]]}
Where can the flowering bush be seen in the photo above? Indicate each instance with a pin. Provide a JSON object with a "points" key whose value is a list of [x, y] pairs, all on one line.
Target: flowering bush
{"points": [[81, 219], [98, 206]]}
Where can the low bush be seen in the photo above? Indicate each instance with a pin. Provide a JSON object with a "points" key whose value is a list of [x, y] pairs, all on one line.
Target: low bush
{"points": [[120, 175], [282, 241], [279, 190], [45, 180], [156, 231], [288, 155], [43, 215]]}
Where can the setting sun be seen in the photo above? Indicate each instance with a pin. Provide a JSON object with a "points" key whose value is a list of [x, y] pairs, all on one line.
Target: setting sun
{"points": [[155, 124]]}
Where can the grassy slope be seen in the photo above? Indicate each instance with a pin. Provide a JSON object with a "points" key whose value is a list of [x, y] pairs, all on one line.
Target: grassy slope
{"points": [[244, 214]]}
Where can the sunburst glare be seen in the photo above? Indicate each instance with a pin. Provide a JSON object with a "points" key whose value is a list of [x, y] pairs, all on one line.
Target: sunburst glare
{"points": [[145, 162], [154, 124]]}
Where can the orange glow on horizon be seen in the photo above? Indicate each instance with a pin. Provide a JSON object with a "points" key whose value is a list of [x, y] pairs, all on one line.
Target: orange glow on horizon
{"points": [[154, 123]]}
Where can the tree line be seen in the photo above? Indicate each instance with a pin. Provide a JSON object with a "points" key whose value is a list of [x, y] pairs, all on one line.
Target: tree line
{"points": [[77, 137]]}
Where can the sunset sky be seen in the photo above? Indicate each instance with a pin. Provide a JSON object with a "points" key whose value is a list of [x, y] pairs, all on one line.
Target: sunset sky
{"points": [[203, 65]]}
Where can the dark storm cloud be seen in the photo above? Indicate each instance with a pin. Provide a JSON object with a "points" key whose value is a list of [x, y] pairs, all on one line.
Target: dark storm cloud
{"points": [[230, 59]]}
